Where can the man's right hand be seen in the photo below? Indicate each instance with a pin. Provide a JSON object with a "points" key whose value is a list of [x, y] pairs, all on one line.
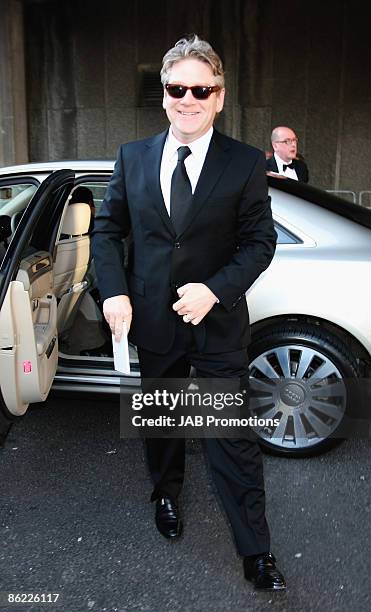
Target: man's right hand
{"points": [[116, 310]]}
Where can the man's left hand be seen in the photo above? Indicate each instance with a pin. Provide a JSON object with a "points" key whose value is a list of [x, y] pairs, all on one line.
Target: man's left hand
{"points": [[196, 300]]}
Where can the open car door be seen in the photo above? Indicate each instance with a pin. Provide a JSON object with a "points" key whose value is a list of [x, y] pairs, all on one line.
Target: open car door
{"points": [[28, 306]]}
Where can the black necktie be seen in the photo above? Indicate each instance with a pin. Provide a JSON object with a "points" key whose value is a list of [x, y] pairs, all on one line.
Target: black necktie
{"points": [[290, 165], [181, 191]]}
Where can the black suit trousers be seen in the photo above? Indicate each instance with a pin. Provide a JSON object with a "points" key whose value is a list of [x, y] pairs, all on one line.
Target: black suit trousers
{"points": [[236, 463]]}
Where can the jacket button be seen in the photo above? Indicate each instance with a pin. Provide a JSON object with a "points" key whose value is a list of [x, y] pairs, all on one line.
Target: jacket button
{"points": [[177, 245]]}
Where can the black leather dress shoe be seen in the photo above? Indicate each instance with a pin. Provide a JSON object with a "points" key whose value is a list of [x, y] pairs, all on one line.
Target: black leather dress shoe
{"points": [[262, 571], [167, 518]]}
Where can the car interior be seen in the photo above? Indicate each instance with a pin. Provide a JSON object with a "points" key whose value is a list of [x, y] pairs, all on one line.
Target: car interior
{"points": [[82, 329]]}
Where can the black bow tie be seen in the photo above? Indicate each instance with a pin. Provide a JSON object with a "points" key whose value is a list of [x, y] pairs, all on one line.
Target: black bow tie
{"points": [[290, 165]]}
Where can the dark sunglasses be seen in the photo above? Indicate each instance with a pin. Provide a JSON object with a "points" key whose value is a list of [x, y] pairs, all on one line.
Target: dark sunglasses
{"points": [[200, 92]]}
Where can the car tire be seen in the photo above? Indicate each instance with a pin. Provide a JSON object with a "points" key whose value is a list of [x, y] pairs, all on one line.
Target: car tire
{"points": [[292, 368]]}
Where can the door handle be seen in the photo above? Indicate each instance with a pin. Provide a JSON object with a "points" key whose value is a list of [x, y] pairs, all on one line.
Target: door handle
{"points": [[50, 348]]}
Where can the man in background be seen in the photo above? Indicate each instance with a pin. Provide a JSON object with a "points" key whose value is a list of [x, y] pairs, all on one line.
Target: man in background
{"points": [[284, 160]]}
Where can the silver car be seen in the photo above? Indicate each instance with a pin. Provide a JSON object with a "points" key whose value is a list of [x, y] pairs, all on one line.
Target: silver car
{"points": [[311, 329]]}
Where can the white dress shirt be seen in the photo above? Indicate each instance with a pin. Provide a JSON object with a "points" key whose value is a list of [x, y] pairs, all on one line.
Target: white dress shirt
{"points": [[289, 172], [193, 163]]}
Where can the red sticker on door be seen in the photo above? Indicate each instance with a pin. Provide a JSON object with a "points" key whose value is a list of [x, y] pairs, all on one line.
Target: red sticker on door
{"points": [[27, 367]]}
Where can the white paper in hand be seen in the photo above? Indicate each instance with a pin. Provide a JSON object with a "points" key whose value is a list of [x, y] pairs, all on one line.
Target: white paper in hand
{"points": [[121, 358]]}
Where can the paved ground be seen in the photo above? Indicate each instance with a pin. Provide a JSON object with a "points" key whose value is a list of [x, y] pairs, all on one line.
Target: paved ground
{"points": [[75, 519]]}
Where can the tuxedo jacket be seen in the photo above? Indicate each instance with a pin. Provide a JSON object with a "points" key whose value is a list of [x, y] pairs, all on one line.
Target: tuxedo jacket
{"points": [[300, 168], [226, 241]]}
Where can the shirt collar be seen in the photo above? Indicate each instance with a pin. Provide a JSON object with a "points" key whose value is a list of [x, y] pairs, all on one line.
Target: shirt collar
{"points": [[198, 147], [280, 161]]}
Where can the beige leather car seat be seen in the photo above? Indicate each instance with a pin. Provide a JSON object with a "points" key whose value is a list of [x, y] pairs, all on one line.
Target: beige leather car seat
{"points": [[71, 263]]}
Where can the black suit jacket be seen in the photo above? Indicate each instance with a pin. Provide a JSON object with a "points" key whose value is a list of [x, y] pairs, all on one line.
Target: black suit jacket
{"points": [[300, 168], [227, 240]]}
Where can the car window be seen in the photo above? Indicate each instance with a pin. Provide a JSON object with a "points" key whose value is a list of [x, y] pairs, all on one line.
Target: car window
{"points": [[98, 190], [15, 198], [284, 236]]}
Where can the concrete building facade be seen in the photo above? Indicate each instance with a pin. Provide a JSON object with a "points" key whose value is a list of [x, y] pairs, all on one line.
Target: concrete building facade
{"points": [[78, 78]]}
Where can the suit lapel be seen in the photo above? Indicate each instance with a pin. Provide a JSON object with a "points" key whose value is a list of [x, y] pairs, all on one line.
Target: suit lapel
{"points": [[216, 161], [151, 166], [298, 169], [273, 162]]}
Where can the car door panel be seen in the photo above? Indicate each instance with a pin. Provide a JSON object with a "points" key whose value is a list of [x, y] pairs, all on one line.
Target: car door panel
{"points": [[29, 339], [28, 305]]}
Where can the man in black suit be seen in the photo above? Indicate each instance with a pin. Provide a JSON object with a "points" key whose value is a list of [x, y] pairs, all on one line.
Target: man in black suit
{"points": [[284, 160], [197, 207]]}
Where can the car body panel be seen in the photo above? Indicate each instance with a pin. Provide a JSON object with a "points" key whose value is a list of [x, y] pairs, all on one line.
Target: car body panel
{"points": [[329, 302]]}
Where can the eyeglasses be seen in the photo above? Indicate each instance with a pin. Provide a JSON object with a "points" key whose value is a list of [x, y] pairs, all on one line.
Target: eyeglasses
{"points": [[288, 141], [200, 92]]}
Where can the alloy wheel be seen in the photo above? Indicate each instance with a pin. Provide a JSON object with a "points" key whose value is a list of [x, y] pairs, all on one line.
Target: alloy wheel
{"points": [[303, 390]]}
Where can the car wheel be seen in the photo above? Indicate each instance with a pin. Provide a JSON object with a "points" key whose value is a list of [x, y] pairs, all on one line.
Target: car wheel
{"points": [[300, 376]]}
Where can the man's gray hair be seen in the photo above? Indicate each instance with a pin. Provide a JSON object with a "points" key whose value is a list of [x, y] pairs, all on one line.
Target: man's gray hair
{"points": [[192, 48], [275, 134]]}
